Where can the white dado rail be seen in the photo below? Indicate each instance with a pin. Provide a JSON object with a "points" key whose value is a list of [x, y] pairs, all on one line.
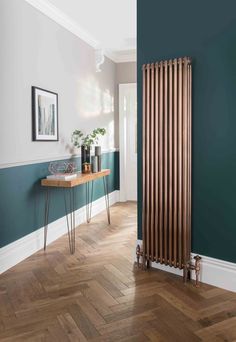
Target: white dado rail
{"points": [[48, 159]]}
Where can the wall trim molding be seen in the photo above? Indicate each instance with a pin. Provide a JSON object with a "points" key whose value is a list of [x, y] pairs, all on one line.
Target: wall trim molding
{"points": [[48, 159], [119, 57], [64, 20], [21, 249], [215, 272], [69, 24]]}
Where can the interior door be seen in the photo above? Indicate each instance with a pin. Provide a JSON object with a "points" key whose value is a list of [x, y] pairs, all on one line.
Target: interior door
{"points": [[128, 141]]}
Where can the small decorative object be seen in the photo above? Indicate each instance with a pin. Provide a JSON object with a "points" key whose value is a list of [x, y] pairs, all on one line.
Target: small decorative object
{"points": [[63, 176], [44, 115], [86, 168], [62, 170], [85, 154], [98, 153], [61, 167], [85, 142], [94, 164]]}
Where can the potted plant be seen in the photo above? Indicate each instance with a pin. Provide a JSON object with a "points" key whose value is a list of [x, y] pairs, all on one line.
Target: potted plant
{"points": [[79, 139]]}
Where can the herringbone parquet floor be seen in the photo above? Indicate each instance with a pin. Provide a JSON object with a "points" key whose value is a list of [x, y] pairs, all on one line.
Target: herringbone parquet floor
{"points": [[97, 294]]}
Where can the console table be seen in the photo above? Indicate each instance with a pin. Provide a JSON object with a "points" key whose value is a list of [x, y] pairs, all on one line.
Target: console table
{"points": [[69, 186]]}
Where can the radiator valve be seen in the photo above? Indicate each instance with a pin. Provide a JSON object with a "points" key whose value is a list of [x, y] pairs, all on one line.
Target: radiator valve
{"points": [[197, 259], [194, 267], [139, 253]]}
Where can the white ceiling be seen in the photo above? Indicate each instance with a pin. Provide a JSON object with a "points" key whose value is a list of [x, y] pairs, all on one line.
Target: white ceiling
{"points": [[106, 24]]}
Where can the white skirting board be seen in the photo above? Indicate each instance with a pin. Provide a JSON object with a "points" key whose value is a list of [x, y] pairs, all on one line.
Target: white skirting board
{"points": [[21, 249], [215, 272]]}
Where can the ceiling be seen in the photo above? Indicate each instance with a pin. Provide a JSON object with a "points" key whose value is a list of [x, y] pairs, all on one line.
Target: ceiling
{"points": [[106, 24]]}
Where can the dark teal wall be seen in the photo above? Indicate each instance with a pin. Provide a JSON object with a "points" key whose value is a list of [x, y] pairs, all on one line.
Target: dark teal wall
{"points": [[206, 31], [22, 197]]}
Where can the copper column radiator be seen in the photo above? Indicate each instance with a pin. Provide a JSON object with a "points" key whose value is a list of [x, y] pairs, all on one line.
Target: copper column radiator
{"points": [[167, 155]]}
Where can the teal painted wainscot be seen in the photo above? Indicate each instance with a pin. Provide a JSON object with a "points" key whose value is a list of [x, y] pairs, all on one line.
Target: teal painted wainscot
{"points": [[22, 197], [205, 31]]}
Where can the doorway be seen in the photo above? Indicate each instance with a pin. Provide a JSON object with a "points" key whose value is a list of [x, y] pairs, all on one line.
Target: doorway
{"points": [[128, 141]]}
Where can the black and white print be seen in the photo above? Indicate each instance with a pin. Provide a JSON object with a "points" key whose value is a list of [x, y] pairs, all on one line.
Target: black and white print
{"points": [[45, 115]]}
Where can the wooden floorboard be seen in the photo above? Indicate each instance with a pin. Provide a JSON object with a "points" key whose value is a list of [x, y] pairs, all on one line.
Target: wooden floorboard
{"points": [[98, 294]]}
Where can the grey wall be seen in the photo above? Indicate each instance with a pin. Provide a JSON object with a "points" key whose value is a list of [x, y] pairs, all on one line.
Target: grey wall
{"points": [[126, 72], [35, 51]]}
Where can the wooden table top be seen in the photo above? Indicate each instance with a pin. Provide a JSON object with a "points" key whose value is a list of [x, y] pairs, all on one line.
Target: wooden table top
{"points": [[82, 178]]}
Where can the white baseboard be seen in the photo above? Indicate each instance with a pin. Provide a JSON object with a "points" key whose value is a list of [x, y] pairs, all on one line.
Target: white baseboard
{"points": [[215, 272], [21, 249]]}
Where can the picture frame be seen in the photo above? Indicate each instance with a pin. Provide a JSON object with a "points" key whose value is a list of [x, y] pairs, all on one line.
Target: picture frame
{"points": [[44, 115]]}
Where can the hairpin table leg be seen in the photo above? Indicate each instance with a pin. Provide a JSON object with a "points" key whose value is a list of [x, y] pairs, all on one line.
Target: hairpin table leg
{"points": [[89, 202], [70, 218], [105, 184], [46, 214]]}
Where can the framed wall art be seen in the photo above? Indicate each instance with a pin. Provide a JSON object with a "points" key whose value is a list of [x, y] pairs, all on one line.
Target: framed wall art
{"points": [[44, 115]]}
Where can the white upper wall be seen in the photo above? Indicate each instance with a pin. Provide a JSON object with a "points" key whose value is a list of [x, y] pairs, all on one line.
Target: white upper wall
{"points": [[107, 24], [35, 51]]}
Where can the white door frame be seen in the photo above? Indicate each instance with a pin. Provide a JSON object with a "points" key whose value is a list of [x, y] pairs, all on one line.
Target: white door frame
{"points": [[122, 141]]}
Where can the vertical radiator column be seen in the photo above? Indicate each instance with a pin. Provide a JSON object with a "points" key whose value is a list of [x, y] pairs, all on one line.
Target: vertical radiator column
{"points": [[167, 154]]}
